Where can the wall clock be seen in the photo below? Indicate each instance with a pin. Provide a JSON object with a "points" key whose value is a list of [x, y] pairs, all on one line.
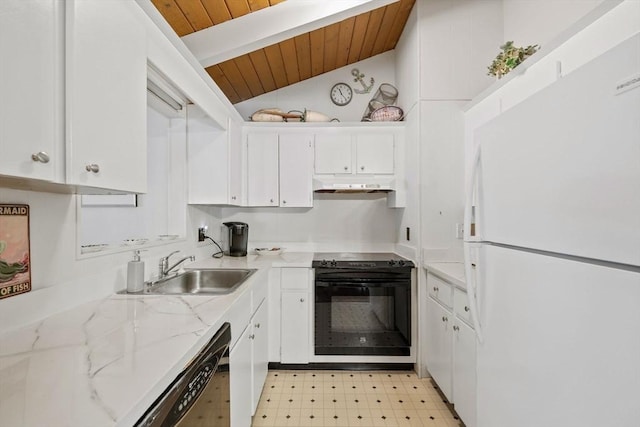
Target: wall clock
{"points": [[341, 94]]}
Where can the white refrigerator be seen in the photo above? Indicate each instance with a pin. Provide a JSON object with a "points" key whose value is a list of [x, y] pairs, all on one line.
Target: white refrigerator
{"points": [[555, 295]]}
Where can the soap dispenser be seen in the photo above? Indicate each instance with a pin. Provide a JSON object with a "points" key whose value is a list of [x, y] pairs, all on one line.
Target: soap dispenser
{"points": [[135, 273]]}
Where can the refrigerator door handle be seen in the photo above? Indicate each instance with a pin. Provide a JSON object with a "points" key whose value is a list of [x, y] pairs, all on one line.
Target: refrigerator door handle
{"points": [[468, 270], [471, 292], [469, 186]]}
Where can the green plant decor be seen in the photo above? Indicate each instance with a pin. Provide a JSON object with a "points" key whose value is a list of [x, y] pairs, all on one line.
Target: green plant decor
{"points": [[510, 58]]}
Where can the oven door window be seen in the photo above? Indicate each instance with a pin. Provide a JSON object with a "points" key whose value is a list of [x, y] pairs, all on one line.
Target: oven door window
{"points": [[362, 318]]}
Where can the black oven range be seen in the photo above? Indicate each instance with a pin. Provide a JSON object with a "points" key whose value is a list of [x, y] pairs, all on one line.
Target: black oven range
{"points": [[362, 304]]}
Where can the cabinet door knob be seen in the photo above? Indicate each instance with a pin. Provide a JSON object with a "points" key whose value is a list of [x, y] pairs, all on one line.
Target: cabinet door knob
{"points": [[301, 299], [92, 168], [40, 156], [252, 336], [270, 200], [456, 328], [466, 308], [257, 325], [346, 168], [284, 202], [361, 168]]}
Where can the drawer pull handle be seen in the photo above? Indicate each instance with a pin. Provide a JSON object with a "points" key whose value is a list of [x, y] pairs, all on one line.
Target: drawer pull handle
{"points": [[456, 328], [92, 168], [257, 325], [435, 289], [466, 308], [444, 319], [40, 156], [301, 299], [252, 336]]}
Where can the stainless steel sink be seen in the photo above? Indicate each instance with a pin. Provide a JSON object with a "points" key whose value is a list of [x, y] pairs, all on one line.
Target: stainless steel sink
{"points": [[201, 282]]}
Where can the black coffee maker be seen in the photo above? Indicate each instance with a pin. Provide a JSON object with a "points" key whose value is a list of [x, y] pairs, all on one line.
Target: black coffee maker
{"points": [[237, 237]]}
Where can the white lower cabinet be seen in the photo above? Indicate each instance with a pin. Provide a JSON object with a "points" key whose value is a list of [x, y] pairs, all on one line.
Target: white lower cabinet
{"points": [[274, 314], [292, 310], [451, 346], [240, 375], [439, 346], [260, 353], [464, 372], [295, 327], [248, 359]]}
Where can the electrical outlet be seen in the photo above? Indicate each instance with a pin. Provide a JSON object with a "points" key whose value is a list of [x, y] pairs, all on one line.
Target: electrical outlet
{"points": [[202, 231], [459, 231]]}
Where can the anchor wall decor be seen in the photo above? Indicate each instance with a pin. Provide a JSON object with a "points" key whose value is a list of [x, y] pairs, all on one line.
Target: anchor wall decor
{"points": [[359, 78]]}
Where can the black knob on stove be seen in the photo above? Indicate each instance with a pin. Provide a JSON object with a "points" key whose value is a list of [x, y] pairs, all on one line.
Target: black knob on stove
{"points": [[334, 263], [323, 263], [392, 263], [401, 263]]}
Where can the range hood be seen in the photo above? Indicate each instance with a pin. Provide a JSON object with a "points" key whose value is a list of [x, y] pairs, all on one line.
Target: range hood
{"points": [[353, 184]]}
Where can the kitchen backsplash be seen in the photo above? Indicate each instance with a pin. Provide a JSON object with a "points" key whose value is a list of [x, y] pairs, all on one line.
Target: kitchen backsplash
{"points": [[334, 219]]}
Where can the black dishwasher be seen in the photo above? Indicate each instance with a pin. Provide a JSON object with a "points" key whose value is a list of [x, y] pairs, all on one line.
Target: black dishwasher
{"points": [[199, 396]]}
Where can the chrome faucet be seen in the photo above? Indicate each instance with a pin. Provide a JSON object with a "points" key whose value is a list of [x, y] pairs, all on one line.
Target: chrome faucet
{"points": [[163, 266]]}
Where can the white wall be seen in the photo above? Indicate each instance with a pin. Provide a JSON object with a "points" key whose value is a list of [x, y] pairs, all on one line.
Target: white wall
{"points": [[441, 62], [408, 76], [336, 222], [442, 189], [408, 62], [457, 43], [529, 22], [313, 93], [60, 280]]}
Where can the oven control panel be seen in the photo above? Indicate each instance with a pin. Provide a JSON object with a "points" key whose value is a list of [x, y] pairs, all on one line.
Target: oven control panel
{"points": [[361, 264]]}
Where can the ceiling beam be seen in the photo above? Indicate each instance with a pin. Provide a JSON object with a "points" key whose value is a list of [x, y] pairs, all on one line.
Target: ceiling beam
{"points": [[271, 25]]}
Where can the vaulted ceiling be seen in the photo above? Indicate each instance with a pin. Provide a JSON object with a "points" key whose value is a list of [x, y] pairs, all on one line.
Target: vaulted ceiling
{"points": [[291, 60]]}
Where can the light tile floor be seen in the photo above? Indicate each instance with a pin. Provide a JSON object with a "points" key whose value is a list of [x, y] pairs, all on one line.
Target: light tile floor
{"points": [[351, 398]]}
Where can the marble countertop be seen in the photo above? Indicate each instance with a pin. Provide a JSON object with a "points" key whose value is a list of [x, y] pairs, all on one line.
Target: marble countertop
{"points": [[104, 362], [285, 259], [452, 272]]}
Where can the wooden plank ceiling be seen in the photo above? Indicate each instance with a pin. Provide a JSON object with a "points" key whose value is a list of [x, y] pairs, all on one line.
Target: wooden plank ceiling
{"points": [[293, 60]]}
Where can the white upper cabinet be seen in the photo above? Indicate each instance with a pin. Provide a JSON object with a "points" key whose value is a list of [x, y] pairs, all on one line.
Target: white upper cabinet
{"points": [[279, 169], [354, 152], [31, 41], [106, 74], [236, 166], [333, 153], [262, 169], [295, 154], [74, 94], [374, 153]]}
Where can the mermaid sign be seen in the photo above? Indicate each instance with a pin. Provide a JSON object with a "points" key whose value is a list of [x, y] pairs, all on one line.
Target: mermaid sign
{"points": [[15, 268]]}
